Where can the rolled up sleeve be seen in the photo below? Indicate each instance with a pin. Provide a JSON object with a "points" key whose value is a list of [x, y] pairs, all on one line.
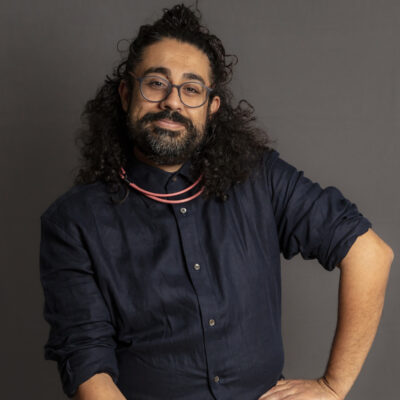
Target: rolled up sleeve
{"points": [[81, 337], [319, 223]]}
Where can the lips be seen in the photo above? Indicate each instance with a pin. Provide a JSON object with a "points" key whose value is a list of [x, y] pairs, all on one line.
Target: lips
{"points": [[167, 123]]}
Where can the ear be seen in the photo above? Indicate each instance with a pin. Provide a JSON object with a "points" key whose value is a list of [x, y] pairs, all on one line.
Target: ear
{"points": [[124, 94], [215, 103]]}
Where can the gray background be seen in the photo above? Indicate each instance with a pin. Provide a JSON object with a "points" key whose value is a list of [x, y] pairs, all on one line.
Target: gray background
{"points": [[324, 79]]}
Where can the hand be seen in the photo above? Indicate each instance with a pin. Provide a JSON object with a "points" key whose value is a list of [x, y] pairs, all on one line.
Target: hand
{"points": [[301, 389]]}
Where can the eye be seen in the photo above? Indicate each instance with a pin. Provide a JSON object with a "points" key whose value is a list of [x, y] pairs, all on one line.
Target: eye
{"points": [[192, 89], [154, 83]]}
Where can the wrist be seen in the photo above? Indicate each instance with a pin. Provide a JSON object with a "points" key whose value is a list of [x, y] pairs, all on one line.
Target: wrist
{"points": [[335, 387]]}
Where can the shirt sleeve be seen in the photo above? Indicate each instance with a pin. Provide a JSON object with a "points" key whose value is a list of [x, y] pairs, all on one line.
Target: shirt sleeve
{"points": [[319, 223], [81, 334]]}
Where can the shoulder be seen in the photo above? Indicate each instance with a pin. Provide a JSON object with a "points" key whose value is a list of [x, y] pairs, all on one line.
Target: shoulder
{"points": [[273, 163], [77, 203], [270, 156], [274, 169]]}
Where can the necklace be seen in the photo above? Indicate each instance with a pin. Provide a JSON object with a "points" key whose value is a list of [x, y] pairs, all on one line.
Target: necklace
{"points": [[158, 196]]}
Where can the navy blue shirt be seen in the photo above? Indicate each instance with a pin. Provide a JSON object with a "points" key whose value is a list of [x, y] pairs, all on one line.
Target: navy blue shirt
{"points": [[183, 301]]}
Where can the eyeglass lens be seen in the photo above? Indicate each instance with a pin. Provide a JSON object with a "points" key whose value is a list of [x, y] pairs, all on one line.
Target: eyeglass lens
{"points": [[154, 88]]}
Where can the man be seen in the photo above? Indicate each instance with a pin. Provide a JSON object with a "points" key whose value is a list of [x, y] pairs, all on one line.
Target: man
{"points": [[161, 266]]}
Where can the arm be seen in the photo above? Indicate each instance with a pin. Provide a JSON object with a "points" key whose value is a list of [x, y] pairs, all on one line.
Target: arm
{"points": [[363, 279], [81, 337], [99, 387]]}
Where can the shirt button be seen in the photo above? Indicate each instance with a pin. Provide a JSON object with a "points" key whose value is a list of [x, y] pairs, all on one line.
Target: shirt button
{"points": [[183, 210], [196, 267], [174, 178], [216, 379], [211, 322]]}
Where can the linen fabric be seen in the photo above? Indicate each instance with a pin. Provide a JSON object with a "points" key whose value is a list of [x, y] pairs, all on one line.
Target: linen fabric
{"points": [[183, 301]]}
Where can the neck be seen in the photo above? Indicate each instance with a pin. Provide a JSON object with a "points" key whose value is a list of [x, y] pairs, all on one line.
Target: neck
{"points": [[168, 168]]}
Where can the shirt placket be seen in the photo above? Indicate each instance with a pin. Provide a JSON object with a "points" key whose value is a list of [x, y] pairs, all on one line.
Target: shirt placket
{"points": [[197, 269]]}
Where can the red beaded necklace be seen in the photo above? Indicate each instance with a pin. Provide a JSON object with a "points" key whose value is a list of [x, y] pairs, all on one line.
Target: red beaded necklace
{"points": [[158, 196]]}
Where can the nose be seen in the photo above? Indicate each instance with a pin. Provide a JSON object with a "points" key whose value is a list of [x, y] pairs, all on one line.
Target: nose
{"points": [[172, 101]]}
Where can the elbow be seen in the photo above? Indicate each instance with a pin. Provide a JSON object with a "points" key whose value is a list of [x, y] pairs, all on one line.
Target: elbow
{"points": [[391, 256], [388, 253], [385, 256]]}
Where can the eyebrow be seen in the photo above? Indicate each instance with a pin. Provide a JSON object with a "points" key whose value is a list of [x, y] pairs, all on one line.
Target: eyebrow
{"points": [[167, 72]]}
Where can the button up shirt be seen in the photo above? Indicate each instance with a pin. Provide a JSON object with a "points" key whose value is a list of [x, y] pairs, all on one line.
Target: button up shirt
{"points": [[183, 301]]}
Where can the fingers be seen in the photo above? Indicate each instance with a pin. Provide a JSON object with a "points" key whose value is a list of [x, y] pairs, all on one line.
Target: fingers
{"points": [[276, 394], [286, 389], [281, 387]]}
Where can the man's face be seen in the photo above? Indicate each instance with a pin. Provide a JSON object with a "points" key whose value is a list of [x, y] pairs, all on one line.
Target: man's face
{"points": [[168, 132]]}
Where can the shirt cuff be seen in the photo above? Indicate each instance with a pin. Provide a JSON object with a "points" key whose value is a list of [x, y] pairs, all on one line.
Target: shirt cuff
{"points": [[348, 233], [85, 363]]}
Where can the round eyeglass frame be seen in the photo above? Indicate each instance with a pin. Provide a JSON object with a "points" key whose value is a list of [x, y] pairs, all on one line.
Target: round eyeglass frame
{"points": [[170, 87]]}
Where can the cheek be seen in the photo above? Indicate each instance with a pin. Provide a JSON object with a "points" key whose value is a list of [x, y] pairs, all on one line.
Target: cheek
{"points": [[199, 119], [137, 111], [138, 107]]}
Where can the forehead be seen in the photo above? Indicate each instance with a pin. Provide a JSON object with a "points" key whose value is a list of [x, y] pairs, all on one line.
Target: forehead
{"points": [[179, 57]]}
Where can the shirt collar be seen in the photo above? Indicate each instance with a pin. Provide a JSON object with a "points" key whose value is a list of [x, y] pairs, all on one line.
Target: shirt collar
{"points": [[155, 179]]}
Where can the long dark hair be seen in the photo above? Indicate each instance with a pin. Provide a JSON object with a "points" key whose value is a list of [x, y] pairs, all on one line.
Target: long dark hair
{"points": [[233, 145]]}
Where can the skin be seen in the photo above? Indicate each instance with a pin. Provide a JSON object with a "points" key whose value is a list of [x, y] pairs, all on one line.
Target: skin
{"points": [[99, 387], [364, 274], [179, 58], [364, 271]]}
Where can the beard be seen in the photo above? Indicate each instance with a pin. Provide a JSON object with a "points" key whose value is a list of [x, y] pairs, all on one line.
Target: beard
{"points": [[164, 146]]}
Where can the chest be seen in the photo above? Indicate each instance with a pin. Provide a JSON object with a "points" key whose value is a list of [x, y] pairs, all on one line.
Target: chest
{"points": [[164, 256]]}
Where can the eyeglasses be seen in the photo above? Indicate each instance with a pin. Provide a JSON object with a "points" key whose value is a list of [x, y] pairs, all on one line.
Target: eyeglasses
{"points": [[155, 89]]}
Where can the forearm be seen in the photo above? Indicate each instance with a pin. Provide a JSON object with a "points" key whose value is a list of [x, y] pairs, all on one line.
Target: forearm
{"points": [[99, 387], [363, 280]]}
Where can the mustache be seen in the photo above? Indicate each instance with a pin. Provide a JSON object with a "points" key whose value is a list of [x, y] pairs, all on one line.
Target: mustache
{"points": [[165, 114]]}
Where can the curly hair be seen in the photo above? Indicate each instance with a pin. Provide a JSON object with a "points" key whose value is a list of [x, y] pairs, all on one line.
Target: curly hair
{"points": [[233, 145]]}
